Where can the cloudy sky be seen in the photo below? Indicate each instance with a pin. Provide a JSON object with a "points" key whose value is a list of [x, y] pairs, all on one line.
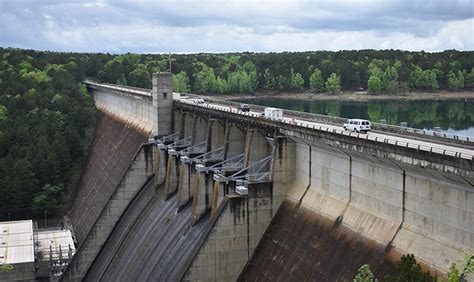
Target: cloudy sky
{"points": [[227, 25]]}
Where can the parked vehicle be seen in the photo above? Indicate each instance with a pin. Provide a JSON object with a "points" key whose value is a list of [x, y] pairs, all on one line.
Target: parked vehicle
{"points": [[357, 125], [274, 113], [198, 101], [244, 108]]}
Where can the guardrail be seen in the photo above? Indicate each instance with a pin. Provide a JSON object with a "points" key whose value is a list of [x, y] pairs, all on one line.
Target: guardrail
{"points": [[461, 139], [127, 89], [304, 124]]}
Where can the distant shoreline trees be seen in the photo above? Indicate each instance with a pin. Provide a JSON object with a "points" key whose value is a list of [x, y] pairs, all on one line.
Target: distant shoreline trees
{"points": [[378, 72]]}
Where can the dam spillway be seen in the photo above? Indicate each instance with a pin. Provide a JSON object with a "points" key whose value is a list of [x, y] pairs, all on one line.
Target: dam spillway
{"points": [[328, 197]]}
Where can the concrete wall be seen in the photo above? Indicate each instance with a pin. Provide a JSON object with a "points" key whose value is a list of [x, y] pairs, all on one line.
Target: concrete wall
{"points": [[234, 140], [199, 129], [258, 147], [234, 237], [162, 105], [376, 204], [302, 171], [131, 109], [302, 245], [140, 170], [328, 191], [283, 169], [414, 210], [161, 161], [114, 146], [217, 134], [439, 218], [187, 126]]}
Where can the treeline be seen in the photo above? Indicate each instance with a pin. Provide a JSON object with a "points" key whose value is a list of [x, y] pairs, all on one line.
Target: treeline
{"points": [[388, 71], [47, 117], [46, 125]]}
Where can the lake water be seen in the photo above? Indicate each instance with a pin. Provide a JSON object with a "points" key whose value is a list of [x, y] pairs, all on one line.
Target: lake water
{"points": [[452, 116]]}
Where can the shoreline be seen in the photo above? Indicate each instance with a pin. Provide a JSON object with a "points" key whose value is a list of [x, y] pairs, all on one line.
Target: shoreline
{"points": [[353, 97]]}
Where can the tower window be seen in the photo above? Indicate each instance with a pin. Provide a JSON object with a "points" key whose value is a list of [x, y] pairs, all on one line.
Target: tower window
{"points": [[165, 95]]}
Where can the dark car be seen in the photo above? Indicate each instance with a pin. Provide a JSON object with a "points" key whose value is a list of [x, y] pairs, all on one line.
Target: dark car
{"points": [[244, 108]]}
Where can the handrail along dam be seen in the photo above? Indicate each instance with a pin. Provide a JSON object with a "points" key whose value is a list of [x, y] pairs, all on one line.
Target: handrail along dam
{"points": [[179, 190]]}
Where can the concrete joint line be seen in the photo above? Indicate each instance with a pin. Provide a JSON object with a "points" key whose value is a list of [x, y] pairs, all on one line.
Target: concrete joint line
{"points": [[340, 217], [309, 182], [467, 180], [390, 243]]}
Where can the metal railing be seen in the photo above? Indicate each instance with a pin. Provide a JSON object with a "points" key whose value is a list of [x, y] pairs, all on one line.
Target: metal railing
{"points": [[123, 88], [305, 123], [340, 121], [198, 148], [163, 141], [257, 172], [232, 164], [186, 141], [215, 155]]}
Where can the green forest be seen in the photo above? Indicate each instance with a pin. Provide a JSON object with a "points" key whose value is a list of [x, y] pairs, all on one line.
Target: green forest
{"points": [[47, 118], [378, 72]]}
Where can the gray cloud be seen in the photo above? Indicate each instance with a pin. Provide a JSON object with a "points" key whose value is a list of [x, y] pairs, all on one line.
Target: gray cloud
{"points": [[223, 26]]}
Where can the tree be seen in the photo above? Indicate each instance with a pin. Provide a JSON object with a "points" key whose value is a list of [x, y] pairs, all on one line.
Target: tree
{"points": [[205, 80], [333, 84], [316, 81], [374, 84], [221, 86], [181, 82], [239, 82], [282, 82], [455, 80], [426, 79], [251, 71], [112, 72], [268, 80], [409, 270], [466, 263], [469, 81], [389, 80], [364, 274], [453, 274], [140, 77], [49, 199], [296, 80]]}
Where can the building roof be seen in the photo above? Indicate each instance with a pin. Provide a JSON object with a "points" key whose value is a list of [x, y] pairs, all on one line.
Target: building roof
{"points": [[54, 240], [16, 242]]}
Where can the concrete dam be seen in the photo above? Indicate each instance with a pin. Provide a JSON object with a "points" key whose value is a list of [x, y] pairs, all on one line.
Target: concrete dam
{"points": [[178, 189]]}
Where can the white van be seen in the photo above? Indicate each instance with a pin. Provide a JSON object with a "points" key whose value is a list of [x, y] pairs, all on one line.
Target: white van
{"points": [[359, 125]]}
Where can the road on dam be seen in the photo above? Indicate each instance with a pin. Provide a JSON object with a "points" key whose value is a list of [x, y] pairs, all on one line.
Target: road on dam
{"points": [[410, 142]]}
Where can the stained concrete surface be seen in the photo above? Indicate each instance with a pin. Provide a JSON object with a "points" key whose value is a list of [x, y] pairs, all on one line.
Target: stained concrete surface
{"points": [[114, 147], [302, 245]]}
